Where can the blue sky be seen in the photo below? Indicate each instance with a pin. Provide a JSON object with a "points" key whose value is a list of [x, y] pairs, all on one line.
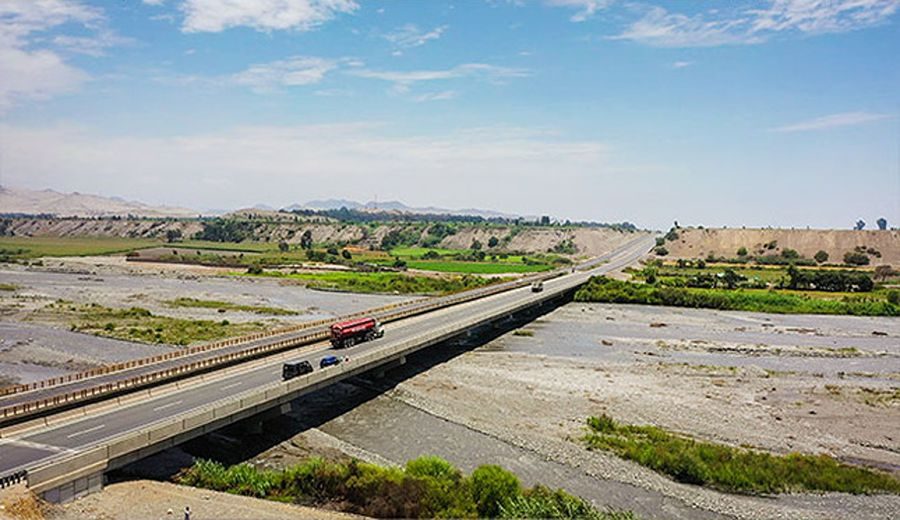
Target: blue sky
{"points": [[776, 112]]}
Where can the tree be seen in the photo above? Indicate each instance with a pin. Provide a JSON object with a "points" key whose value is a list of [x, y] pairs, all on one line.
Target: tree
{"points": [[306, 241], [860, 224], [283, 246], [332, 251], [790, 254], [882, 223], [545, 220], [661, 251], [493, 242], [821, 256], [732, 279], [173, 235], [742, 251], [476, 245], [346, 254]]}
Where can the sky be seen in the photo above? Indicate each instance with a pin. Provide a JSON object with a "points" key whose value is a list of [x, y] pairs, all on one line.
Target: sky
{"points": [[778, 113]]}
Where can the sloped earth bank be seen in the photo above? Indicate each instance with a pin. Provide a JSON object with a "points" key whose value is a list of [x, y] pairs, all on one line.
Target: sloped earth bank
{"points": [[145, 499], [779, 383], [698, 243]]}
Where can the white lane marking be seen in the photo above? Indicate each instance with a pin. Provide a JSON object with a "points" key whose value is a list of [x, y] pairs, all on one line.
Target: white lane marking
{"points": [[232, 385], [163, 407], [37, 445], [89, 430]]}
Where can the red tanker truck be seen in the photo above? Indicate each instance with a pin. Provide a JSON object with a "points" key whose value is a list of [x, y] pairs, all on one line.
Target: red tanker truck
{"points": [[349, 333]]}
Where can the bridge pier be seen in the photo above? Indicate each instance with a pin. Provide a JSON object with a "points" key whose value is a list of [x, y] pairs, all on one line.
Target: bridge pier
{"points": [[389, 366], [77, 488]]}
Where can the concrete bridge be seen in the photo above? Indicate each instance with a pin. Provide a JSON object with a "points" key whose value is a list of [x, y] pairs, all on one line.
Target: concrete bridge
{"points": [[65, 454]]}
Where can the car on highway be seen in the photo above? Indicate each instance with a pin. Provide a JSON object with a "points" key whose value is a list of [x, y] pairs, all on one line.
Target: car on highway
{"points": [[329, 361], [298, 368], [537, 286]]}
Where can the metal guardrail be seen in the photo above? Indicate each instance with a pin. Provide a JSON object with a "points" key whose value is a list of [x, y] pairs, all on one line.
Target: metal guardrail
{"points": [[415, 307], [13, 479]]}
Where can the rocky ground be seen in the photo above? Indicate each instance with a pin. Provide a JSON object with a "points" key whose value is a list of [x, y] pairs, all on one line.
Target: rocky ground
{"points": [[777, 383]]}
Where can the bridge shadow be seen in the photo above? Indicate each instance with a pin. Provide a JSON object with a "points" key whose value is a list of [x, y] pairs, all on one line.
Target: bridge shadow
{"points": [[246, 440]]}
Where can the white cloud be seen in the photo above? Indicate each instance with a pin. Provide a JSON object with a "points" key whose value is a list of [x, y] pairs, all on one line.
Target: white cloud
{"points": [[154, 2], [28, 69], [586, 8], [661, 28], [411, 36], [681, 64], [261, 15], [437, 96], [833, 121], [403, 79], [280, 165], [823, 16], [658, 27], [290, 72], [34, 75]]}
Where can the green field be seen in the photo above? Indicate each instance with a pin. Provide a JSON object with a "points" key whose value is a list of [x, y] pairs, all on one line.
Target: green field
{"points": [[403, 252], [245, 247], [450, 263], [386, 283], [732, 469], [446, 266], [17, 248]]}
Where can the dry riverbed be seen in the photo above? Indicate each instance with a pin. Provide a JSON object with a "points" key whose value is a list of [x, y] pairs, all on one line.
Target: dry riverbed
{"points": [[777, 383]]}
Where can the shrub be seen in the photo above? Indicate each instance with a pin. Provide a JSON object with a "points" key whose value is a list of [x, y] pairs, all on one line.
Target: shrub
{"points": [[491, 487], [661, 251], [893, 297], [821, 256], [742, 251], [855, 258], [428, 487], [731, 469]]}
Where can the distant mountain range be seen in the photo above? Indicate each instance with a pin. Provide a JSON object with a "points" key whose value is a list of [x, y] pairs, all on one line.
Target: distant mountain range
{"points": [[393, 206], [50, 202]]}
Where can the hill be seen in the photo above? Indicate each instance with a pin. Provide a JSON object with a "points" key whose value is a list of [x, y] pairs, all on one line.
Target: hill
{"points": [[699, 243], [50, 202]]}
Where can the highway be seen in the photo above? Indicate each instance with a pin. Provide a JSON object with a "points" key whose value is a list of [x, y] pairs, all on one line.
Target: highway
{"points": [[38, 446]]}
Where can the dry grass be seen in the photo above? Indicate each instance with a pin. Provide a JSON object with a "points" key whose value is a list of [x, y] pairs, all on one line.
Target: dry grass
{"points": [[25, 506]]}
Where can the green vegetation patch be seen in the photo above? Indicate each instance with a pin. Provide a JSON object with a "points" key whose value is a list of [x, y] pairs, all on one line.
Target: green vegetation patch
{"points": [[731, 469], [137, 324], [476, 267], [8, 287], [228, 306], [386, 282], [602, 289], [428, 487], [20, 248]]}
